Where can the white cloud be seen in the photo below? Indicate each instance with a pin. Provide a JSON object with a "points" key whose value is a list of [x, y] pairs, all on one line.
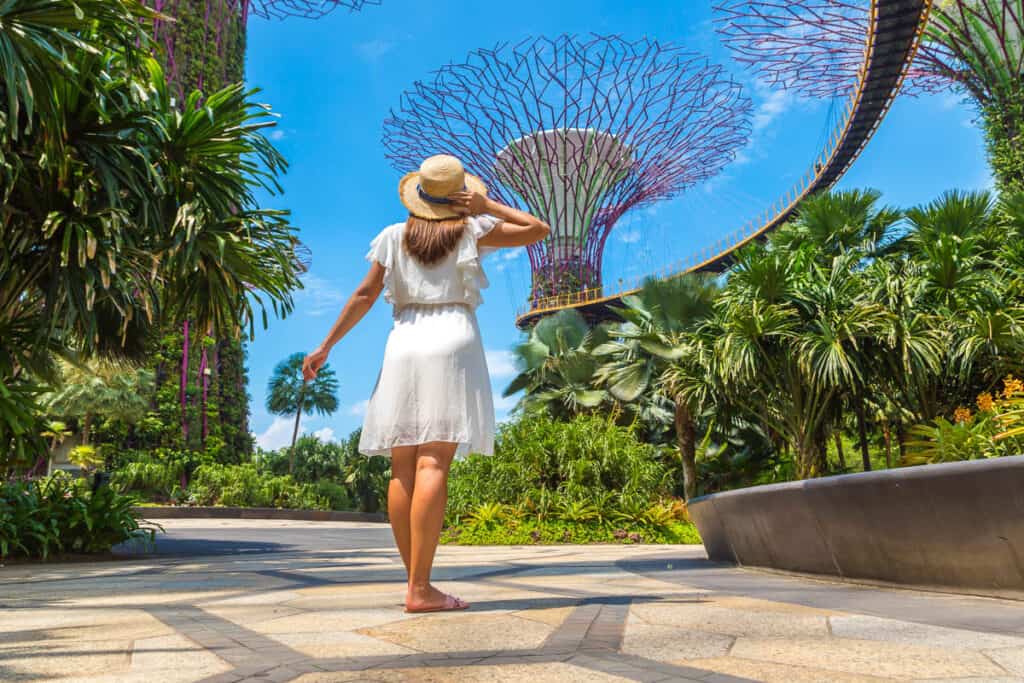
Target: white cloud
{"points": [[950, 100], [359, 409], [372, 50], [319, 297], [277, 435], [505, 257], [775, 104], [326, 435], [276, 134], [629, 236], [501, 364]]}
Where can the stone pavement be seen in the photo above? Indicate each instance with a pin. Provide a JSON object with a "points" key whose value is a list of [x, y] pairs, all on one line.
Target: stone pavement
{"points": [[320, 602]]}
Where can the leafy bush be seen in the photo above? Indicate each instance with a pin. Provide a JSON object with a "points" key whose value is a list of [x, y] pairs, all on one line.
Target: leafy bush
{"points": [[314, 460], [996, 429], [546, 532], [579, 471], [246, 486], [154, 475], [335, 494], [588, 480], [60, 515]]}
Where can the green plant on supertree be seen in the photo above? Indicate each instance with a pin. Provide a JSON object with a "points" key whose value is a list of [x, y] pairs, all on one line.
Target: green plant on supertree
{"points": [[202, 46]]}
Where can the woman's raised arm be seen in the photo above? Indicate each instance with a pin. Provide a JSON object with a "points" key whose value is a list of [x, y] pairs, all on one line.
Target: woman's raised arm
{"points": [[356, 307]]}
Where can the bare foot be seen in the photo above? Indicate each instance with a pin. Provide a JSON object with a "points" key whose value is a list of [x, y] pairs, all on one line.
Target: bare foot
{"points": [[430, 599]]}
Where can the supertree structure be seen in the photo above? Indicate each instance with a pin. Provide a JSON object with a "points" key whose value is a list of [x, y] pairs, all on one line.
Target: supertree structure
{"points": [[816, 47], [580, 131], [203, 43]]}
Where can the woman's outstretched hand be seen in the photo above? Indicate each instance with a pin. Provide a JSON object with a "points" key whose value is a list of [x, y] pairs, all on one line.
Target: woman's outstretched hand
{"points": [[469, 203], [313, 362]]}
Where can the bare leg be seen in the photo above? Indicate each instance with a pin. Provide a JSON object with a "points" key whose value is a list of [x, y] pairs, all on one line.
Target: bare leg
{"points": [[403, 476], [430, 495]]}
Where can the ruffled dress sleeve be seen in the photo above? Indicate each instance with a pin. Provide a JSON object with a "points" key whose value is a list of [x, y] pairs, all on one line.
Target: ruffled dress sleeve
{"points": [[473, 277], [382, 250]]}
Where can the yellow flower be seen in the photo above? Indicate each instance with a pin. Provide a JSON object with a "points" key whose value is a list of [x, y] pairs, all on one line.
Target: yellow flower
{"points": [[985, 402], [1012, 386], [962, 414]]}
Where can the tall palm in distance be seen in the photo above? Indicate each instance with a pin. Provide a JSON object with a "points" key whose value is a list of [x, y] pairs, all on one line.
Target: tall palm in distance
{"points": [[289, 394]]}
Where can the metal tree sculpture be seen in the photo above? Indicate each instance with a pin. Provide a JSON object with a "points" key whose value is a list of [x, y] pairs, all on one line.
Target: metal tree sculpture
{"points": [[580, 131], [204, 45], [816, 47]]}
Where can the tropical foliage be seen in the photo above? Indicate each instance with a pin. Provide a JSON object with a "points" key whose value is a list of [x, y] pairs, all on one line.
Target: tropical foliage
{"points": [[123, 211], [586, 479], [60, 516], [289, 394], [855, 320]]}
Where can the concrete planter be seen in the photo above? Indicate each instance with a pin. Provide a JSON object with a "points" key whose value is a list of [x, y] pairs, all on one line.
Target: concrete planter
{"points": [[953, 525], [185, 512]]}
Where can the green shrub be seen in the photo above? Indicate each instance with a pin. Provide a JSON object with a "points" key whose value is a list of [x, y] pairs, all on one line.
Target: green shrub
{"points": [[247, 486], [152, 475], [579, 471], [60, 515], [335, 494], [315, 460], [532, 531]]}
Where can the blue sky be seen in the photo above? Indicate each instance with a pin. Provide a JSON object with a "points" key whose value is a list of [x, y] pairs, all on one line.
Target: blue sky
{"points": [[334, 81]]}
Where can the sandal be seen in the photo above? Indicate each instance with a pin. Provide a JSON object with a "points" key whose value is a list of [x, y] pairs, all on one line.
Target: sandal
{"points": [[451, 604]]}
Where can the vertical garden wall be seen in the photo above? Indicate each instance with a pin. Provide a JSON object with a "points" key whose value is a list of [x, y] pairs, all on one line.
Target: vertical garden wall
{"points": [[201, 395]]}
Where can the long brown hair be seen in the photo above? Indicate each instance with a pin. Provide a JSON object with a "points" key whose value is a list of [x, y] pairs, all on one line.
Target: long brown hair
{"points": [[429, 241]]}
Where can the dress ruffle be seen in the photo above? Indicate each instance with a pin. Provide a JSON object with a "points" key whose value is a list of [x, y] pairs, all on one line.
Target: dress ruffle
{"points": [[382, 250]]}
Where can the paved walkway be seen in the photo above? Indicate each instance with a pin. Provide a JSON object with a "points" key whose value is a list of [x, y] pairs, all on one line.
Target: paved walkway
{"points": [[318, 602]]}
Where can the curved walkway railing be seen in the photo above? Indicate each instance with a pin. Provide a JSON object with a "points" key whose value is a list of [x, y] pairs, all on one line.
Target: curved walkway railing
{"points": [[894, 33]]}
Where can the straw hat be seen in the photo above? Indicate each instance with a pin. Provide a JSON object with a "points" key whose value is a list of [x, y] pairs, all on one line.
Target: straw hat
{"points": [[425, 192]]}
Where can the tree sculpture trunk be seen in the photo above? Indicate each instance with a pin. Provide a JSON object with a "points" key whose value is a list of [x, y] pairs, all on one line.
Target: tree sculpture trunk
{"points": [[686, 436], [182, 390]]}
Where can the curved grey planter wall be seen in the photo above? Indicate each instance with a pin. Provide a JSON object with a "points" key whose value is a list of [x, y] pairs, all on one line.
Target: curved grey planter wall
{"points": [[958, 525]]}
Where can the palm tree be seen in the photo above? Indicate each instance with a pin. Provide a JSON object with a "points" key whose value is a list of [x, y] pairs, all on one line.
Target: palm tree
{"points": [[289, 394], [122, 213], [651, 351], [113, 390], [557, 369]]}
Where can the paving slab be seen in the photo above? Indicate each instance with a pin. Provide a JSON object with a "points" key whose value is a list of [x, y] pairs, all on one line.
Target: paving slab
{"points": [[224, 601]]}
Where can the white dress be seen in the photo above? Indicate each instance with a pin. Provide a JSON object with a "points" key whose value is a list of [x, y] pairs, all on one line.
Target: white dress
{"points": [[434, 384]]}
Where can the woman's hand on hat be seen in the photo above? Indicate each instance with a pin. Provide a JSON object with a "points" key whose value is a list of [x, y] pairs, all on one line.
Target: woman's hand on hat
{"points": [[468, 203]]}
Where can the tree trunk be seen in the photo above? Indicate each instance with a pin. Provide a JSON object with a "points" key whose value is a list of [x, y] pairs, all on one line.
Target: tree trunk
{"points": [[295, 435], [86, 428], [862, 432], [887, 434], [839, 449], [686, 436], [900, 439]]}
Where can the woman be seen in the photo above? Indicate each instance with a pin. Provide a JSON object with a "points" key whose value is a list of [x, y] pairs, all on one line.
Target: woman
{"points": [[433, 400]]}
